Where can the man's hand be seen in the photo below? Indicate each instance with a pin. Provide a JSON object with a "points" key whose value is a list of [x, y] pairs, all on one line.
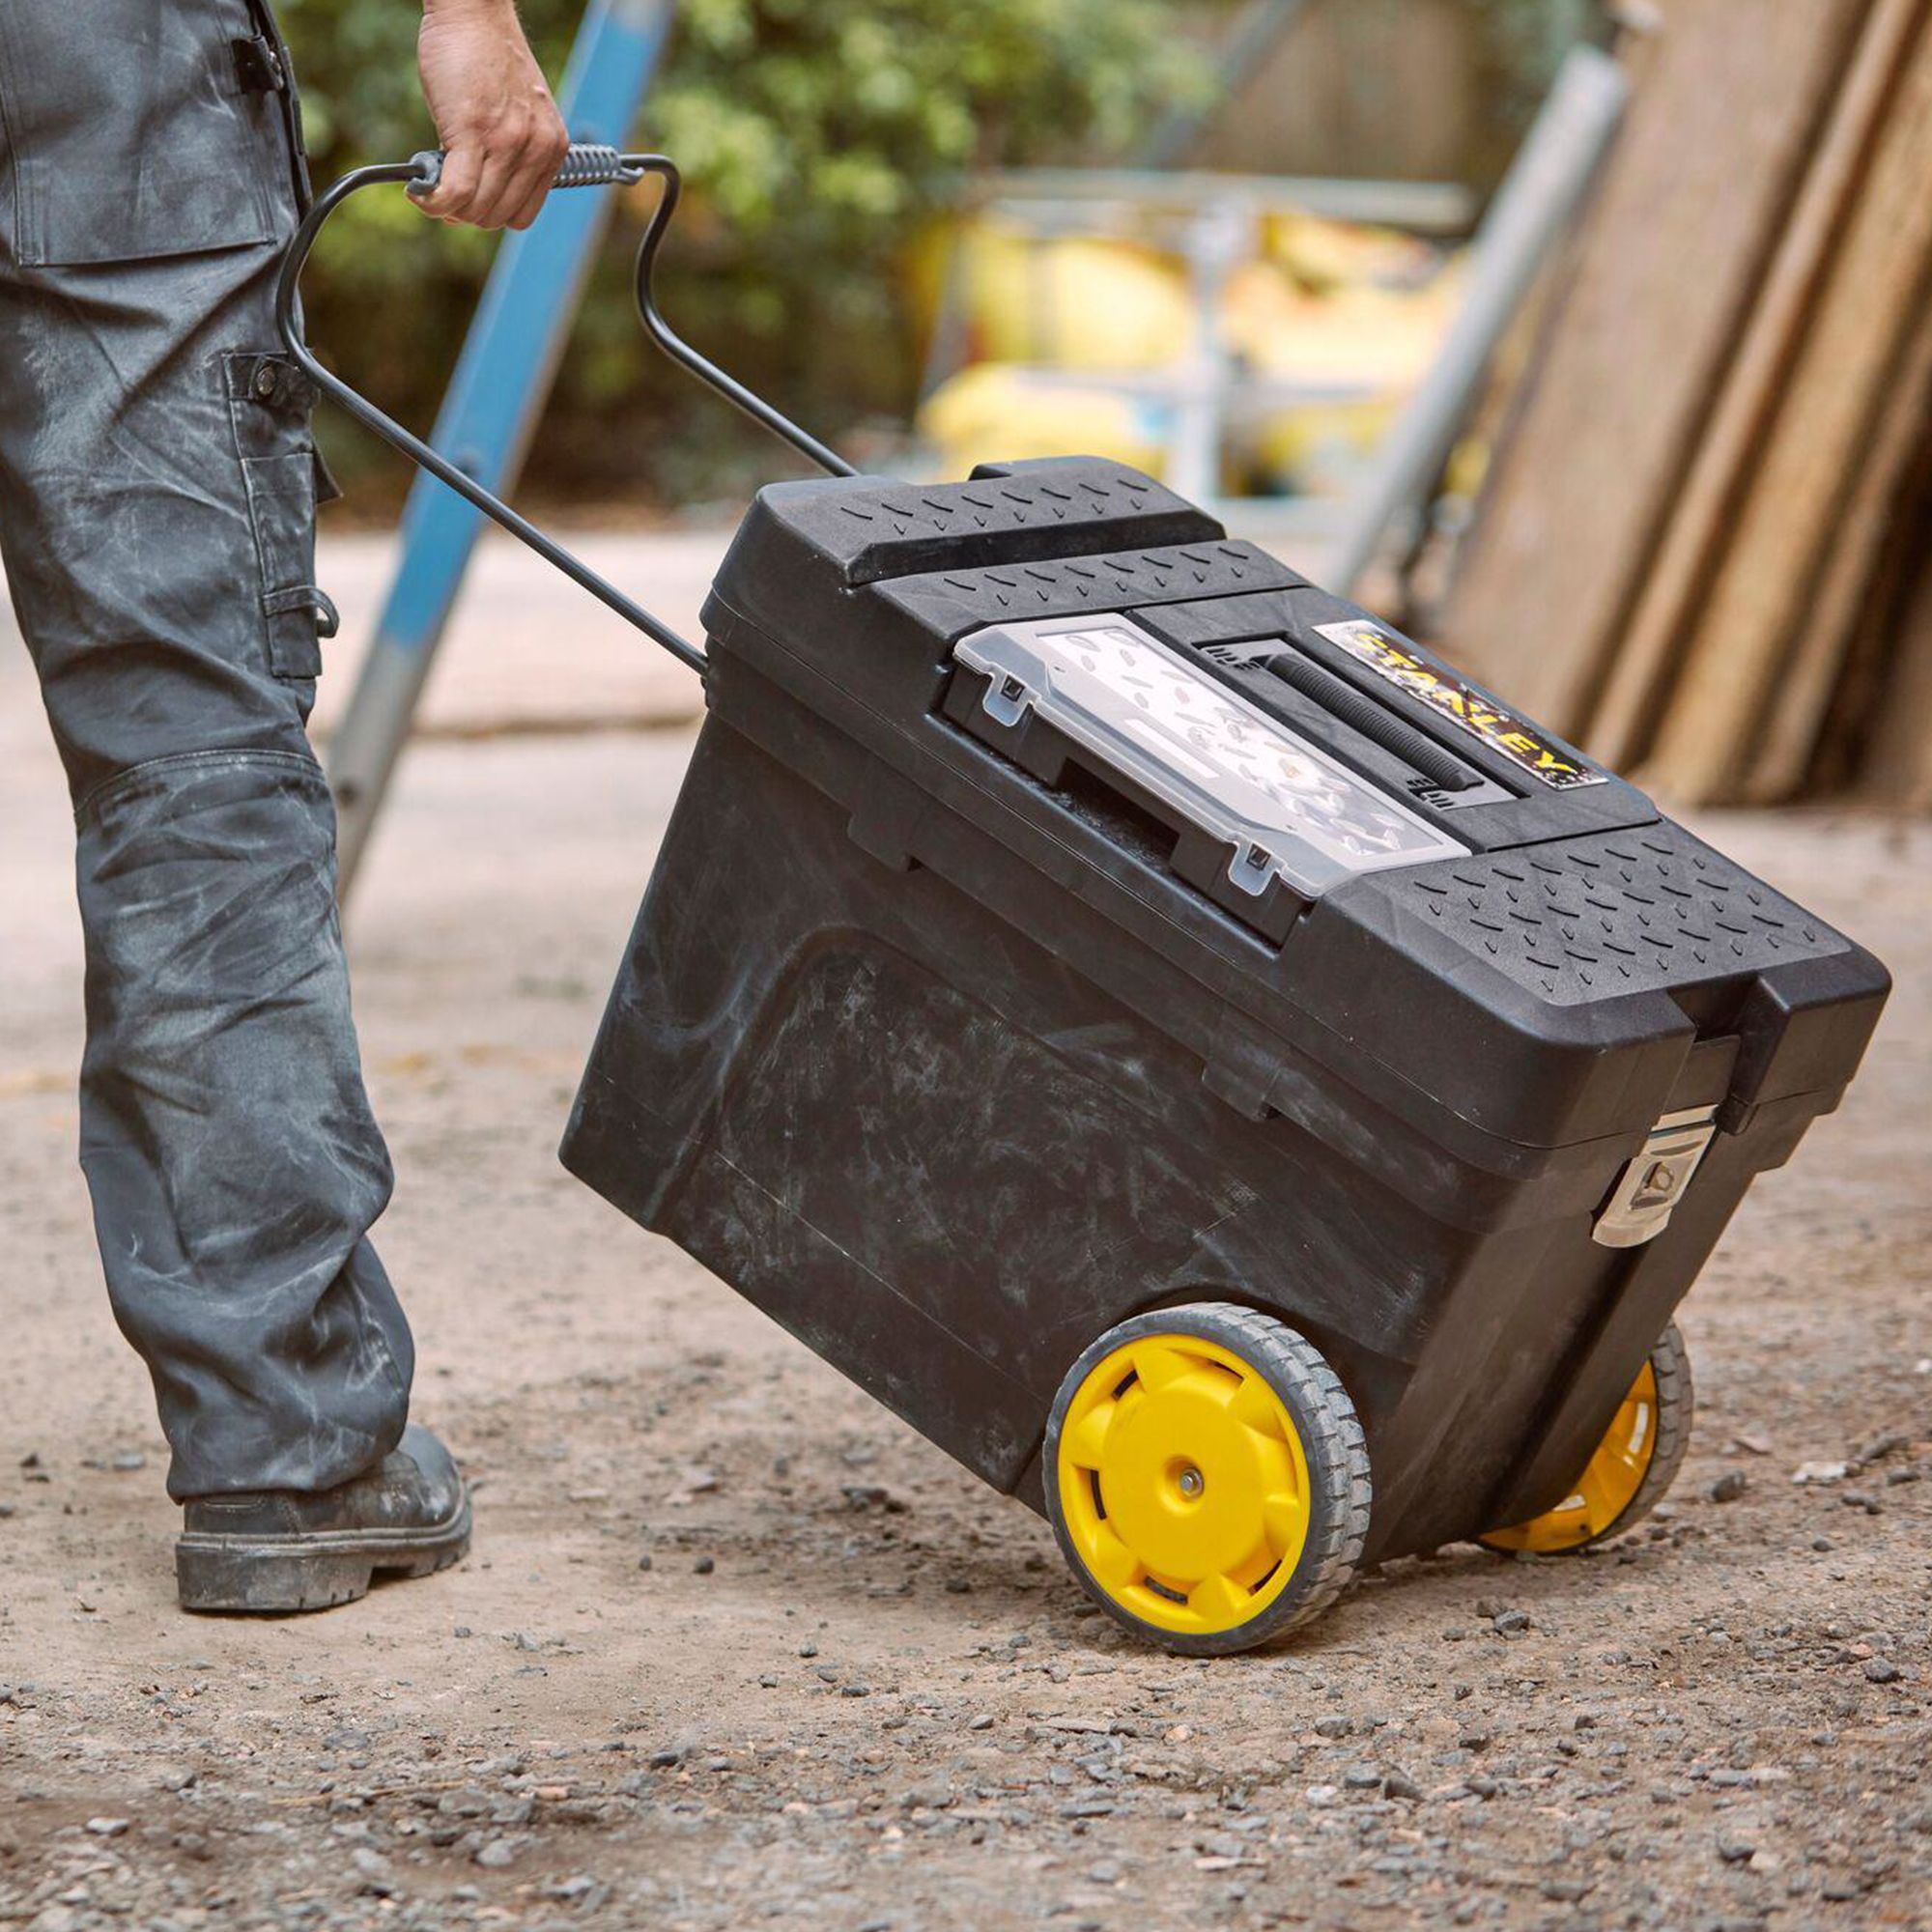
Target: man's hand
{"points": [[502, 134]]}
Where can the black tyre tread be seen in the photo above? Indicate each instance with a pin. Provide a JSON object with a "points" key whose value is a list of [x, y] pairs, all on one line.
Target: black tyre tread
{"points": [[1339, 1448], [1676, 1411], [1333, 1443]]}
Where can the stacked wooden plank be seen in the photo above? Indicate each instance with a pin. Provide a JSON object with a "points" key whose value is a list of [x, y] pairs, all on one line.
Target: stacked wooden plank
{"points": [[1701, 547], [1884, 752]]}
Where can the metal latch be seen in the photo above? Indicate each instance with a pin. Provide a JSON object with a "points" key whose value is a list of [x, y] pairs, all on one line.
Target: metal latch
{"points": [[1652, 1184]]}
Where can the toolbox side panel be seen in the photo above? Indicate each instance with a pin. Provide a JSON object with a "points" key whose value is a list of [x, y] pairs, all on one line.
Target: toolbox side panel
{"points": [[956, 1155], [842, 1311], [941, 1155]]}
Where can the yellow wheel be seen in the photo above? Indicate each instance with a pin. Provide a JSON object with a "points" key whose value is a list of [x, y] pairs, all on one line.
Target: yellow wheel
{"points": [[1206, 1477], [1633, 1466]]}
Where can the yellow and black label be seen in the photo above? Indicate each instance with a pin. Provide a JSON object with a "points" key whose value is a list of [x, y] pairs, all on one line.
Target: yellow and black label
{"points": [[1516, 738]]}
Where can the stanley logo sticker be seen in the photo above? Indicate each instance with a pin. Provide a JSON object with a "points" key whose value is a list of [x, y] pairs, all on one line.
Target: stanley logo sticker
{"points": [[1517, 740]]}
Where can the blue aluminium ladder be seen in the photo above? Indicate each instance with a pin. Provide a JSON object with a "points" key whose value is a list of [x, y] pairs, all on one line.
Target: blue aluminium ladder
{"points": [[501, 384]]}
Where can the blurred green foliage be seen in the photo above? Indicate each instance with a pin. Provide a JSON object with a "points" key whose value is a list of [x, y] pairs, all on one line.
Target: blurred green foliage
{"points": [[817, 136]]}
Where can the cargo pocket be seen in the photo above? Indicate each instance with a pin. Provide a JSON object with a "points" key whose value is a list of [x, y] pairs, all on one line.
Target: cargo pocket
{"points": [[269, 401], [128, 133]]}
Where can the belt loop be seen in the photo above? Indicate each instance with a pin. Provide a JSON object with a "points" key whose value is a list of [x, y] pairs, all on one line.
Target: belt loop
{"points": [[259, 66]]}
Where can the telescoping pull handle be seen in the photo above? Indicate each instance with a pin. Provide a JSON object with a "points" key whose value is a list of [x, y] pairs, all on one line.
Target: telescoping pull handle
{"points": [[584, 165]]}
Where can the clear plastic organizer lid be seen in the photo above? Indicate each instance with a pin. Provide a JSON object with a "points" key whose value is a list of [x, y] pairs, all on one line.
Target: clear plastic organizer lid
{"points": [[1151, 714]]}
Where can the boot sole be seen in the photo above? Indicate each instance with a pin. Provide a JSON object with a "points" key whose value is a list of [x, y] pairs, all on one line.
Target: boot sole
{"points": [[283, 1575]]}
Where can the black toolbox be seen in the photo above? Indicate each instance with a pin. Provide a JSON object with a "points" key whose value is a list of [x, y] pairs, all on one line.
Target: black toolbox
{"points": [[1072, 914]]}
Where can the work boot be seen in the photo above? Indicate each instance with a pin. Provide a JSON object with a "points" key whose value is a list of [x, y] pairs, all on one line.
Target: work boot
{"points": [[281, 1551]]}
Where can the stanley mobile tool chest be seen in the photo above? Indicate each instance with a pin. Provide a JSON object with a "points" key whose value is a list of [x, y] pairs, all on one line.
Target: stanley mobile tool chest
{"points": [[1073, 918], [1225, 1079]]}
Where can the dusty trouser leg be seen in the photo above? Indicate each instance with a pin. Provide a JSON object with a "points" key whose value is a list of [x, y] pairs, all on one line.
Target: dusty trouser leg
{"points": [[156, 507]]}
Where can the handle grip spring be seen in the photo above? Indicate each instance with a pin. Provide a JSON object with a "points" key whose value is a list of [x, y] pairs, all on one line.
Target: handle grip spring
{"points": [[585, 165]]}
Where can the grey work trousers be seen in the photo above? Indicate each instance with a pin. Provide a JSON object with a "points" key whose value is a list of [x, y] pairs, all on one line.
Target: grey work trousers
{"points": [[158, 496]]}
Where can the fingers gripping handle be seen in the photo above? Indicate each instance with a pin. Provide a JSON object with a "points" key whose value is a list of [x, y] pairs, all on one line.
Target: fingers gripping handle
{"points": [[420, 174], [585, 164]]}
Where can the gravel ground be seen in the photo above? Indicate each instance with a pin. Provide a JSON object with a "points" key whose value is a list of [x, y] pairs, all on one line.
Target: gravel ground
{"points": [[736, 1647]]}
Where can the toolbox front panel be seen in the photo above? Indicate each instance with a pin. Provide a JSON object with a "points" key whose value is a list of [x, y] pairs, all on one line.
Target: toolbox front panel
{"points": [[955, 1116], [1643, 1287], [1554, 1341]]}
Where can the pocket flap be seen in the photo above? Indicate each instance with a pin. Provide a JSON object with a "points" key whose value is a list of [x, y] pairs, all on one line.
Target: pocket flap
{"points": [[128, 134]]}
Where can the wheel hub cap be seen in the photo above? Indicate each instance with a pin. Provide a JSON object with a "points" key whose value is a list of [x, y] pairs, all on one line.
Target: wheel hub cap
{"points": [[1183, 1484]]}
